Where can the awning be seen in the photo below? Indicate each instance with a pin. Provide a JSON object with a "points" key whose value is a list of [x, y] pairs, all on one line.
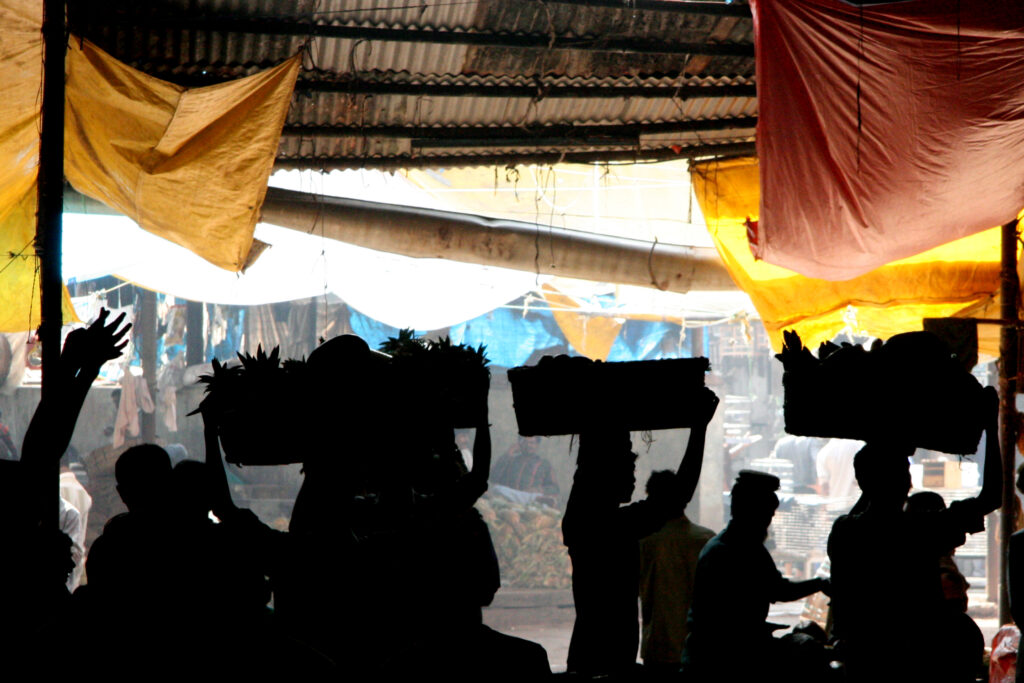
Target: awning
{"points": [[885, 131], [942, 282]]}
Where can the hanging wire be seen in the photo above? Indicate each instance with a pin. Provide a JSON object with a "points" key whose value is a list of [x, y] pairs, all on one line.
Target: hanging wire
{"points": [[16, 255], [104, 292], [32, 292]]}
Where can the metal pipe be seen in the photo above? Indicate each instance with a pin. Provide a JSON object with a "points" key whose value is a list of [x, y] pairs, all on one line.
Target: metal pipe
{"points": [[569, 132], [428, 233], [1008, 366]]}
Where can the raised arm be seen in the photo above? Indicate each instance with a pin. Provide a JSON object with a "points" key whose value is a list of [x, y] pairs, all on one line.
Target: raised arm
{"points": [[85, 351], [991, 495], [49, 433], [217, 479], [788, 591], [475, 483], [482, 438], [693, 459]]}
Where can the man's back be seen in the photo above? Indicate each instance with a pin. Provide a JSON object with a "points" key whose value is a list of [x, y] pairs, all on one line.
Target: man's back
{"points": [[668, 566], [864, 595]]}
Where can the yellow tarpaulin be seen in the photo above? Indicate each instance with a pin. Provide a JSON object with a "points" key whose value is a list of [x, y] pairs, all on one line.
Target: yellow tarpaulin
{"points": [[21, 73], [592, 336], [961, 277], [189, 165]]}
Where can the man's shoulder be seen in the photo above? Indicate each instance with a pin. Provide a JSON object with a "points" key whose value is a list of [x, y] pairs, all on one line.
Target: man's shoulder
{"points": [[698, 531], [682, 525], [716, 545]]}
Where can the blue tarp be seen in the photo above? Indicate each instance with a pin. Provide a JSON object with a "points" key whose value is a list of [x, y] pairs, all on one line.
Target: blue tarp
{"points": [[515, 338]]}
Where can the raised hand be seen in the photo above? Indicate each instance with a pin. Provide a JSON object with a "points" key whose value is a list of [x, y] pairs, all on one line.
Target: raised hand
{"points": [[706, 406], [90, 347]]}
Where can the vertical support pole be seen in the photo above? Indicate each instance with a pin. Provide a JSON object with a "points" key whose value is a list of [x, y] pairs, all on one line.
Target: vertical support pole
{"points": [[195, 339], [147, 325], [1010, 293], [50, 206]]}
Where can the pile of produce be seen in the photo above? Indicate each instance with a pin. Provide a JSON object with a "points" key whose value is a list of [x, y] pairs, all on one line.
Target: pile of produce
{"points": [[528, 542], [909, 390], [569, 394], [453, 376], [260, 391], [274, 412]]}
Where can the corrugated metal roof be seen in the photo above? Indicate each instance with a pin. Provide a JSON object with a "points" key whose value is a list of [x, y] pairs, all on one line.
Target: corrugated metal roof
{"points": [[630, 70]]}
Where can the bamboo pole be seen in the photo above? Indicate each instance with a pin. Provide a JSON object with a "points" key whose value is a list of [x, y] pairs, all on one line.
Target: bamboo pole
{"points": [[50, 206], [1010, 293], [147, 329]]}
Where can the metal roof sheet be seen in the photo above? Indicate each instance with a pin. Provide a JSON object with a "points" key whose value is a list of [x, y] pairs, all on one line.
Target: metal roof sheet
{"points": [[629, 66]]}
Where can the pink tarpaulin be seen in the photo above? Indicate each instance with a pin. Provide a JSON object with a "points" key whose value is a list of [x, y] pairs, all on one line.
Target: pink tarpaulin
{"points": [[884, 131]]}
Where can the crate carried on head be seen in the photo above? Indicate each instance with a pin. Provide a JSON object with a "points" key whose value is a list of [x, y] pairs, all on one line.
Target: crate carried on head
{"points": [[571, 394], [910, 390]]}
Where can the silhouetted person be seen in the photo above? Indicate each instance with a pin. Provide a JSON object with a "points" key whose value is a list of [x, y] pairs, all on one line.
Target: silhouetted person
{"points": [[736, 582], [668, 564], [603, 538], [39, 560], [963, 644], [911, 543], [128, 564], [438, 567]]}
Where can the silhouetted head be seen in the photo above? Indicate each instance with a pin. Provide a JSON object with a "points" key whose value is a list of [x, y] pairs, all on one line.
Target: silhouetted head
{"points": [[190, 491], [143, 475], [753, 499], [883, 473], [1020, 479], [664, 491], [925, 501], [348, 381]]}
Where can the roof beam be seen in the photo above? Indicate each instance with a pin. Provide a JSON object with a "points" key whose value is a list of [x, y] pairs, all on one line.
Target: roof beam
{"points": [[512, 159], [470, 136], [538, 90], [541, 142], [236, 24], [720, 9]]}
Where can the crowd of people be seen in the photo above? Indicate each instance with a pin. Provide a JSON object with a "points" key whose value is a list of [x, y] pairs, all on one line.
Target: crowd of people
{"points": [[386, 565]]}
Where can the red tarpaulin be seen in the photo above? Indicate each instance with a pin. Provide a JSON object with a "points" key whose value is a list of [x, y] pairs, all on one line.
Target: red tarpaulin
{"points": [[884, 131]]}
